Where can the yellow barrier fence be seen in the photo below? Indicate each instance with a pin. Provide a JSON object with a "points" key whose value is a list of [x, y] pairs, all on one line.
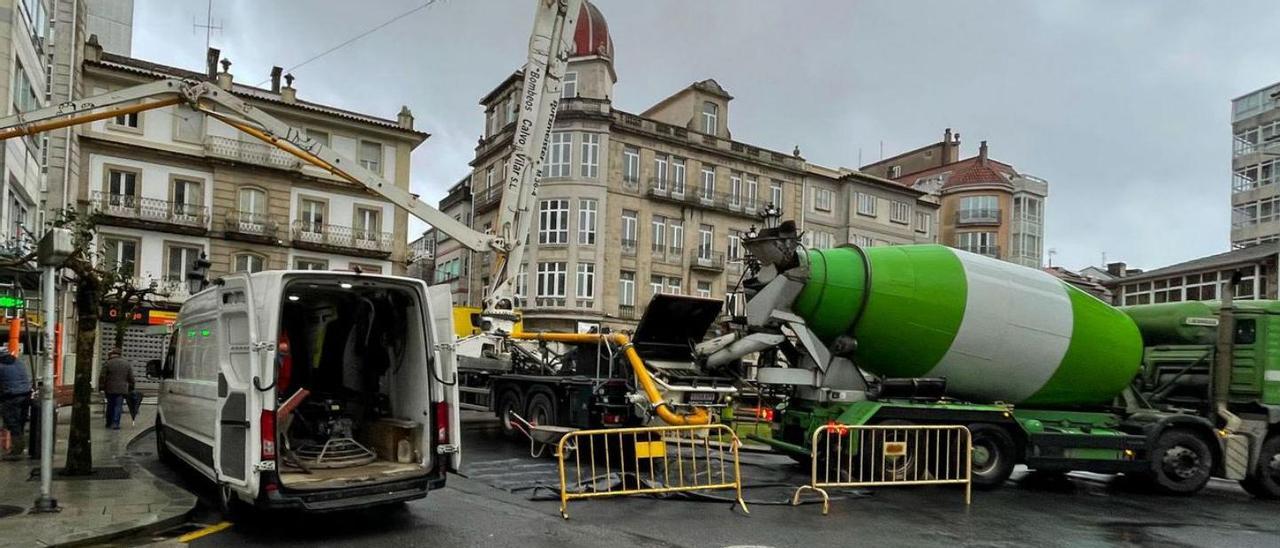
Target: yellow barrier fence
{"points": [[885, 455], [647, 460]]}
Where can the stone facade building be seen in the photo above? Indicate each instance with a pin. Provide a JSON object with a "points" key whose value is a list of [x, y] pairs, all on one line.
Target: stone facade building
{"points": [[635, 204]]}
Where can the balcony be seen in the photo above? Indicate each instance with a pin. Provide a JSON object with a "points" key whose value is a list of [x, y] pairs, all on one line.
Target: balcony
{"points": [[249, 152], [988, 250], [168, 289], [705, 259], [718, 201], [627, 312], [341, 239], [150, 213], [247, 226], [978, 217], [489, 198]]}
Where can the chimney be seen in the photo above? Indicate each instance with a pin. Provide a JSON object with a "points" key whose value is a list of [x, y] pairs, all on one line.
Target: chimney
{"points": [[92, 49], [224, 78], [211, 63], [946, 148], [275, 79], [405, 118], [287, 93], [1116, 269], [982, 153]]}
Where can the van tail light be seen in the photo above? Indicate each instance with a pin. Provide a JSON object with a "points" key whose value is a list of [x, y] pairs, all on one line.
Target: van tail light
{"points": [[442, 422], [268, 429]]}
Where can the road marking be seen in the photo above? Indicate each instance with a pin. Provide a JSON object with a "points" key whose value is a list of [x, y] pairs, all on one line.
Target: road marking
{"points": [[187, 538]]}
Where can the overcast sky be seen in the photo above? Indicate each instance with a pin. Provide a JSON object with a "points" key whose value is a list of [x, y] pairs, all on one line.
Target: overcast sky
{"points": [[1123, 106]]}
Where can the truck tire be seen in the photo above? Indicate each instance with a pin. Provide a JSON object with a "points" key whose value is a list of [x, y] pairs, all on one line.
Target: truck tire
{"points": [[877, 463], [1180, 463], [508, 401], [1264, 480], [541, 409], [993, 455]]}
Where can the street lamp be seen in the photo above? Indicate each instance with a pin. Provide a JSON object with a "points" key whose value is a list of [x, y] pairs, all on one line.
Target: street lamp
{"points": [[54, 249]]}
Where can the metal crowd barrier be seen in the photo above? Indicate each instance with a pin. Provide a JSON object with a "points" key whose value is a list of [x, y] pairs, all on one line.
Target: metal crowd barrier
{"points": [[648, 460], [886, 455]]}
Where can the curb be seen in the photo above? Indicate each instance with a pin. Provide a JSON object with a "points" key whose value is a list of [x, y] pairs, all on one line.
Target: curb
{"points": [[139, 527]]}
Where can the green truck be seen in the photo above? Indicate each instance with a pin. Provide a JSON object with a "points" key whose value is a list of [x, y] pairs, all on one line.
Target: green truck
{"points": [[1041, 373]]}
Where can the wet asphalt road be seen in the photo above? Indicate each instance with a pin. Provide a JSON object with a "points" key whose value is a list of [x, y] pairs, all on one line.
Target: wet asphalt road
{"points": [[500, 500]]}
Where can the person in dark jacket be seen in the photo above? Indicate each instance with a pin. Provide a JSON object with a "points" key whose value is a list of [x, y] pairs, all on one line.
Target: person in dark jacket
{"points": [[116, 381], [15, 399]]}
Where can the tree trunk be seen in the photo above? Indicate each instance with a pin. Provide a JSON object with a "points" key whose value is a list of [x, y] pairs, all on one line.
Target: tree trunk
{"points": [[79, 443]]}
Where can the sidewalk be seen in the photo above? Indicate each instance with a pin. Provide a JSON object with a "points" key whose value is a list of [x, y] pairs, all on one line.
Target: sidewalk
{"points": [[92, 509]]}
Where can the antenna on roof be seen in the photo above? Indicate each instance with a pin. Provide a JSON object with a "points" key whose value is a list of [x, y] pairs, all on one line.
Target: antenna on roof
{"points": [[208, 26]]}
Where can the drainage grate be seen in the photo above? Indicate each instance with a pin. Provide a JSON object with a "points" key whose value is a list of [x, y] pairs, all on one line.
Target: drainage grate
{"points": [[6, 511]]}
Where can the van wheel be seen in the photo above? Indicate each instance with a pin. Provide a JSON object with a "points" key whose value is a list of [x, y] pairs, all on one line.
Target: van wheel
{"points": [[508, 403], [228, 503], [1264, 481], [162, 447], [1180, 463], [541, 410], [993, 455]]}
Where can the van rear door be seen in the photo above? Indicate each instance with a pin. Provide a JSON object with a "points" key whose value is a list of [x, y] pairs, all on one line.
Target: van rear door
{"points": [[445, 362], [236, 406]]}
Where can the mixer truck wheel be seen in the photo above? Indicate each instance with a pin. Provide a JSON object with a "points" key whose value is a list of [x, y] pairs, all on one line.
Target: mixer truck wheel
{"points": [[993, 455], [893, 468], [1180, 463], [1264, 481], [508, 402]]}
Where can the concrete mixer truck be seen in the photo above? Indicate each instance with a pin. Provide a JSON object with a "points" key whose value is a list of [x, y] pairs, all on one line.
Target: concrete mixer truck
{"points": [[1040, 372]]}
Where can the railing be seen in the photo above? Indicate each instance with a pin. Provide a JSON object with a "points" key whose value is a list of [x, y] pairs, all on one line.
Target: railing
{"points": [[250, 223], [127, 206], [883, 455], [977, 216], [648, 461], [698, 197], [629, 247], [483, 199], [307, 232], [988, 250], [627, 312], [550, 302], [254, 153], [707, 260]]}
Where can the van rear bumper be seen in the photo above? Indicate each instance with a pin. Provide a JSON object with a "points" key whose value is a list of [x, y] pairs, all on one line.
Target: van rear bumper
{"points": [[351, 498]]}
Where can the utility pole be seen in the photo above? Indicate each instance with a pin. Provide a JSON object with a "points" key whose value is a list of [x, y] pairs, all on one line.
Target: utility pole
{"points": [[53, 250]]}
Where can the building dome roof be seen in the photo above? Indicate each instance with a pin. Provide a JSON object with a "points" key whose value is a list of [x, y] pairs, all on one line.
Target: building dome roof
{"points": [[591, 37]]}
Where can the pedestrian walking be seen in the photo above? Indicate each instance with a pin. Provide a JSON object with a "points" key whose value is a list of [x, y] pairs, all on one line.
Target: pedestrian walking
{"points": [[15, 399], [116, 381]]}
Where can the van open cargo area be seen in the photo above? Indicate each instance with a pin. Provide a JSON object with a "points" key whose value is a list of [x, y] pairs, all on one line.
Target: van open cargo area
{"points": [[346, 413]]}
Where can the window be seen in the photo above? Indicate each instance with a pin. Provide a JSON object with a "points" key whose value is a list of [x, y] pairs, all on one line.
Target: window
{"points": [[673, 285], [753, 187], [251, 206], [247, 262], [181, 261], [120, 255], [488, 178], [982, 243], [490, 121], [705, 239], [735, 245], [128, 121], [822, 198], [677, 176], [569, 89], [867, 204], [312, 213], [655, 284], [318, 136], [560, 154], [522, 285], [586, 281], [704, 289], [677, 236], [900, 213], [735, 188], [710, 116], [630, 164], [122, 186], [188, 125], [660, 172], [186, 197], [775, 194], [553, 222], [708, 182], [510, 108], [371, 156], [630, 230], [590, 155], [923, 222], [17, 216], [627, 288], [820, 239], [978, 209], [367, 225], [320, 264], [659, 233], [895, 172], [860, 240], [586, 222], [551, 280]]}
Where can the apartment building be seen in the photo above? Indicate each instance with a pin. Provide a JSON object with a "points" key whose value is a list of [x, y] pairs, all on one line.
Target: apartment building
{"points": [[24, 82], [986, 206], [168, 186], [1199, 279], [635, 204], [1255, 167], [452, 259], [422, 257]]}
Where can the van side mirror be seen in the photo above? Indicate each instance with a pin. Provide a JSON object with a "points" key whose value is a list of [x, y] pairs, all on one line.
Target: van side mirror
{"points": [[154, 368]]}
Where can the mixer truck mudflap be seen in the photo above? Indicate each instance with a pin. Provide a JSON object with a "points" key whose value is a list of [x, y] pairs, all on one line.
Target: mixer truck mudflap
{"points": [[998, 332]]}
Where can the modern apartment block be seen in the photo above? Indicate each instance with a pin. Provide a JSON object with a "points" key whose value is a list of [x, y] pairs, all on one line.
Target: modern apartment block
{"points": [[635, 204], [25, 46], [987, 207], [1255, 167]]}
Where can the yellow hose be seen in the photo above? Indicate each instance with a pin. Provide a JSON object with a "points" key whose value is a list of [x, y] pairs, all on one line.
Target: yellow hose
{"points": [[699, 415]]}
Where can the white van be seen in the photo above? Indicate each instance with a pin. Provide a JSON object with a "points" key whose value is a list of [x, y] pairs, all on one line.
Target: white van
{"points": [[312, 390]]}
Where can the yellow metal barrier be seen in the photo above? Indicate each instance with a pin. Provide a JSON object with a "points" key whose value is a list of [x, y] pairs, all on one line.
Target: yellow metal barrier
{"points": [[648, 460], [880, 455]]}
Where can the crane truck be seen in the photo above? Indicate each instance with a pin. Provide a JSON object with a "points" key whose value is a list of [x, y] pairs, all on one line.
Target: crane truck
{"points": [[1040, 372]]}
